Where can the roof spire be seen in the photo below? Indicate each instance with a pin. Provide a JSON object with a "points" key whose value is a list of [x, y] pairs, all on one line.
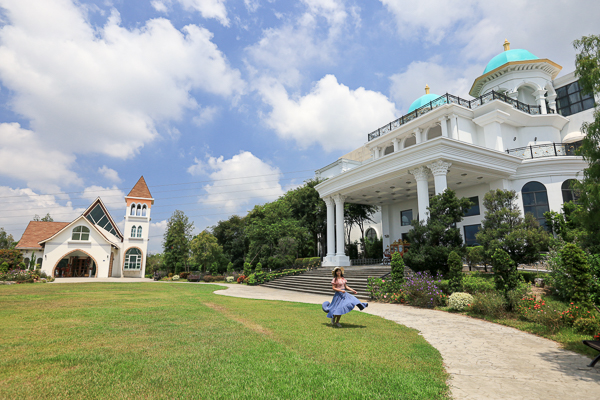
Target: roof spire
{"points": [[426, 89], [140, 190], [506, 45]]}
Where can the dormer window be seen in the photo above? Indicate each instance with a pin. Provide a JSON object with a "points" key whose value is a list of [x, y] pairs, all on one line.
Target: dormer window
{"points": [[139, 231], [133, 231], [81, 233]]}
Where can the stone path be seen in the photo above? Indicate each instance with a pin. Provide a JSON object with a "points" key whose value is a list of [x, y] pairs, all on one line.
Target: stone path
{"points": [[485, 360]]}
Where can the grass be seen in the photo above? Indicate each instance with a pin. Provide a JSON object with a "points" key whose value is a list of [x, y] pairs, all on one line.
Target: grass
{"points": [[156, 341]]}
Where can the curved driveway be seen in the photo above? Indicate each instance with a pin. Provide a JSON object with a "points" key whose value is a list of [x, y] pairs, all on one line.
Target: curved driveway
{"points": [[486, 361]]}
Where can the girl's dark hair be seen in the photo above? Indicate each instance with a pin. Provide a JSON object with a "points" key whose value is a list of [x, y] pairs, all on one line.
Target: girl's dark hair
{"points": [[335, 277]]}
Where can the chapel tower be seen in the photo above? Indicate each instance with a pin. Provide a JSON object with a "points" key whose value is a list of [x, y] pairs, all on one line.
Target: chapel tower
{"points": [[139, 202]]}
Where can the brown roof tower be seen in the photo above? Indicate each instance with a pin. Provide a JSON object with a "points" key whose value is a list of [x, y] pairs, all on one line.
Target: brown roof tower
{"points": [[140, 190]]}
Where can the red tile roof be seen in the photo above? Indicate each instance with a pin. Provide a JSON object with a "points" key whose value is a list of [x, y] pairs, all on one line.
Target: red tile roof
{"points": [[37, 231], [140, 190]]}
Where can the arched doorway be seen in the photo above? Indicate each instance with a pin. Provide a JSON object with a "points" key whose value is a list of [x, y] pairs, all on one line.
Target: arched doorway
{"points": [[76, 264]]}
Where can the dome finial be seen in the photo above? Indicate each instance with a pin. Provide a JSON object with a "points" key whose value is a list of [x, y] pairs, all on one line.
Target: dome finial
{"points": [[506, 45], [426, 89]]}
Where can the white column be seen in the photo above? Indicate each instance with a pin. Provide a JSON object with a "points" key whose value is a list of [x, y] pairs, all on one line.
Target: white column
{"points": [[551, 101], [439, 169], [417, 134], [453, 127], [444, 126], [396, 143], [540, 98], [330, 226], [339, 225], [420, 175]]}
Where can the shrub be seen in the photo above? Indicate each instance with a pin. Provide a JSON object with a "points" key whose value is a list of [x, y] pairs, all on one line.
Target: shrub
{"points": [[207, 278], [422, 290], [170, 274], [175, 277], [505, 271], [229, 279], [4, 267], [459, 301], [472, 283], [587, 326], [251, 280], [241, 278], [183, 275], [489, 303], [397, 265], [247, 268], [577, 268], [541, 312], [258, 268], [445, 286], [455, 274], [230, 268]]}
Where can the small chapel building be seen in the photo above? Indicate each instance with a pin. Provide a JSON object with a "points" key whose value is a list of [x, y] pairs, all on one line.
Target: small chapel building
{"points": [[92, 245], [520, 131]]}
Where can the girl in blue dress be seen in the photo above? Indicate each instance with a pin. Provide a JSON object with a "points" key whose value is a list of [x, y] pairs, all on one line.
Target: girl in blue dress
{"points": [[342, 302]]}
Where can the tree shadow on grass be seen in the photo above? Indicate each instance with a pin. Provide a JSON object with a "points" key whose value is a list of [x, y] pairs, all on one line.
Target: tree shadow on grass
{"points": [[346, 326]]}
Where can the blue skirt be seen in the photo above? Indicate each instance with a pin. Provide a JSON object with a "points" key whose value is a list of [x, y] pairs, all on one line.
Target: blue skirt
{"points": [[342, 303]]}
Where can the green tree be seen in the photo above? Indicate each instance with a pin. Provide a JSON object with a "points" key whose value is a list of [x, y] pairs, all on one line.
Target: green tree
{"points": [[455, 274], [397, 264], [432, 241], [506, 275], [154, 262], [577, 268], [206, 251], [587, 68], [475, 256], [504, 228], [12, 257], [357, 214], [47, 218], [566, 225], [6, 240], [176, 241], [231, 235]]}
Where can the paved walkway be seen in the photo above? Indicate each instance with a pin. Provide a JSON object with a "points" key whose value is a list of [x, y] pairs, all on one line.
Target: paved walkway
{"points": [[485, 360]]}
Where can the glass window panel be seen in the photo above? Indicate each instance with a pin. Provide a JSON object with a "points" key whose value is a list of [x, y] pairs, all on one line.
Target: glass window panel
{"points": [[85, 236], [541, 198], [533, 187], [561, 92], [406, 217], [133, 230], [76, 235], [565, 111], [474, 210], [577, 107], [573, 87], [575, 97], [588, 103], [97, 213], [530, 210], [139, 232], [528, 199], [470, 232], [102, 221]]}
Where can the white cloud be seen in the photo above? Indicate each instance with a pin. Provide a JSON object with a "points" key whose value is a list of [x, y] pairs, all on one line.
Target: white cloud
{"points": [[156, 233], [103, 90], [110, 174], [113, 197], [206, 114], [331, 115], [24, 156], [243, 179], [207, 8], [409, 85], [251, 5], [19, 206]]}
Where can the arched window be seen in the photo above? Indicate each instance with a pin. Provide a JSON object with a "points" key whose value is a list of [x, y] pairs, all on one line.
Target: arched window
{"points": [[144, 209], [388, 150], [139, 210], [133, 231], [139, 232], [81, 233], [411, 141], [434, 132], [133, 259], [371, 234], [39, 261], [132, 210], [26, 261], [535, 200], [568, 191]]}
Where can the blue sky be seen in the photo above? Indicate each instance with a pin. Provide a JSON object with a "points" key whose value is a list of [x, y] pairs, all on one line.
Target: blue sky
{"points": [[223, 104]]}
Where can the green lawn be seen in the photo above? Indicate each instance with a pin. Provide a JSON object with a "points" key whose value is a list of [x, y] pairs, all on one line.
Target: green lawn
{"points": [[174, 341]]}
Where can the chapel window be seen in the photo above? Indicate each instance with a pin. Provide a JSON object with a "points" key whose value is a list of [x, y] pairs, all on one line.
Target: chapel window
{"points": [[139, 232], [80, 233], [133, 231], [133, 259]]}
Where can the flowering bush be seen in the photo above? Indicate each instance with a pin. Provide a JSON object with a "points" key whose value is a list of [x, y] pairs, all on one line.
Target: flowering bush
{"points": [[459, 301], [241, 278], [587, 325], [25, 276], [541, 311], [229, 279], [423, 290], [175, 277]]}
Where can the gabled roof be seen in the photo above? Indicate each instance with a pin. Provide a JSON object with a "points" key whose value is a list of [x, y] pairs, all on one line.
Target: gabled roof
{"points": [[38, 231], [140, 190], [99, 202], [75, 222]]}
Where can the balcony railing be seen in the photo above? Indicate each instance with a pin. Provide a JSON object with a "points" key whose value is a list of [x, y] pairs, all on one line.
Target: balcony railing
{"points": [[451, 99], [546, 150]]}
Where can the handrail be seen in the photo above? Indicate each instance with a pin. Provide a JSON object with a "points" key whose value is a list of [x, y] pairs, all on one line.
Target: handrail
{"points": [[546, 150], [451, 99]]}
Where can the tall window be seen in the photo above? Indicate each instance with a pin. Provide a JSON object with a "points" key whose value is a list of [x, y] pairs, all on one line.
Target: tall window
{"points": [[81, 233], [470, 232], [144, 209], [371, 234], [139, 210], [535, 200], [139, 232], [570, 100], [568, 193], [405, 217], [133, 259], [132, 210], [474, 210], [133, 231]]}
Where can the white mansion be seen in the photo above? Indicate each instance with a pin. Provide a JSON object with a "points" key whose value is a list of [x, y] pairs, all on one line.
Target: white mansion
{"points": [[520, 132], [92, 245]]}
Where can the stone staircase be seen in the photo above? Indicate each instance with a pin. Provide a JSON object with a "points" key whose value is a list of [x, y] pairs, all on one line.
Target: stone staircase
{"points": [[318, 281]]}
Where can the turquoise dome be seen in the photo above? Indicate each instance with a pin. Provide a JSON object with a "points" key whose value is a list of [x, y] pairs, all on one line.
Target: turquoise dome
{"points": [[508, 56], [421, 101]]}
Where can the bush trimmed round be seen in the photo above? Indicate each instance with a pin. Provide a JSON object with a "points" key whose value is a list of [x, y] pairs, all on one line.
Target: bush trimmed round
{"points": [[459, 301]]}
